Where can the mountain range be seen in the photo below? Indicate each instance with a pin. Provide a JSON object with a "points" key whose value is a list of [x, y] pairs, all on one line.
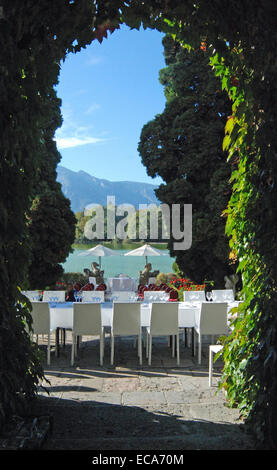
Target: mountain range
{"points": [[83, 189]]}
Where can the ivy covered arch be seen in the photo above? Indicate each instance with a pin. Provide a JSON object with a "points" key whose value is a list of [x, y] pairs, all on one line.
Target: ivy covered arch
{"points": [[35, 35]]}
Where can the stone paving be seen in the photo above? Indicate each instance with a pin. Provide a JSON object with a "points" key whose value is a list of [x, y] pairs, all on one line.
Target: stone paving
{"points": [[127, 406]]}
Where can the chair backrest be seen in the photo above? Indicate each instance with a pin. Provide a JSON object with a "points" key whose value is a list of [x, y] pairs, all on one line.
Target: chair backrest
{"points": [[86, 318], [115, 284], [93, 296], [223, 295], [153, 295], [53, 296], [41, 317], [164, 318], [92, 280], [213, 318], [194, 295], [32, 295], [127, 284], [119, 296], [126, 318]]}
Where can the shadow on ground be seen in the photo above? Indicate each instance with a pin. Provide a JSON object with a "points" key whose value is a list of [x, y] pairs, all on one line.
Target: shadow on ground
{"points": [[132, 407], [100, 426]]}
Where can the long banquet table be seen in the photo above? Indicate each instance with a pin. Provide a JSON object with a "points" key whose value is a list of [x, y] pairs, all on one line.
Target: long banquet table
{"points": [[61, 315]]}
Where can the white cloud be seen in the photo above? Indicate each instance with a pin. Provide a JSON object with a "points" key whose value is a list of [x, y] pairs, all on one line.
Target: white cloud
{"points": [[73, 134], [92, 108], [94, 60], [69, 142]]}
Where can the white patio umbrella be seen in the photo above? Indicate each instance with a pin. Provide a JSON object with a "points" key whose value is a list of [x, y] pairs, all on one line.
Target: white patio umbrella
{"points": [[146, 250], [98, 250]]}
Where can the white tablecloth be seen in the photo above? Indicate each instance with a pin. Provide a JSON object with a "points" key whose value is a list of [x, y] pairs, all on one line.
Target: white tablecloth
{"points": [[121, 284], [61, 314]]}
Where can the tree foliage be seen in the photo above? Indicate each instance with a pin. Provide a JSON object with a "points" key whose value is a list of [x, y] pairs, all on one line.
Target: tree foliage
{"points": [[183, 145], [127, 225], [51, 223], [33, 41]]}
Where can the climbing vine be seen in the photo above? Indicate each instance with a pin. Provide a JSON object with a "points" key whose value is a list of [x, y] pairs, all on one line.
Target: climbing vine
{"points": [[35, 36]]}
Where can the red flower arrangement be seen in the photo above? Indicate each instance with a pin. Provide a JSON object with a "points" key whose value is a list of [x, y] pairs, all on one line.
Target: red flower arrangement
{"points": [[186, 284], [101, 287], [89, 287]]}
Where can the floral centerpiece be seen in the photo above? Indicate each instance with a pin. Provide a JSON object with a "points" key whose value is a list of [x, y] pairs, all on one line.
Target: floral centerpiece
{"points": [[180, 284]]}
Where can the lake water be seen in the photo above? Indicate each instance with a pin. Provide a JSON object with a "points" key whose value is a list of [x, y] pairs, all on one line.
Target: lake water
{"points": [[118, 264]]}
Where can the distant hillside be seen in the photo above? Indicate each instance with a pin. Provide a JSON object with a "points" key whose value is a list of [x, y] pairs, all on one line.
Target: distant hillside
{"points": [[83, 189]]}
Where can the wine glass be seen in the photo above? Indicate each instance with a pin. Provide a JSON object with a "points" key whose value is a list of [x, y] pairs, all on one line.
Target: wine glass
{"points": [[209, 296]]}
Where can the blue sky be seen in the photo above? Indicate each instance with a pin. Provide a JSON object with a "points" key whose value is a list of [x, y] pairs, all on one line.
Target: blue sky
{"points": [[109, 91]]}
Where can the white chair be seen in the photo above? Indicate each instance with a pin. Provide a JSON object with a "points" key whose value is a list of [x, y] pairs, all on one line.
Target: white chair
{"points": [[121, 296], [196, 295], [93, 296], [126, 322], [212, 320], [164, 321], [224, 295], [53, 296], [126, 283], [213, 349], [41, 322], [86, 322], [92, 280], [115, 284], [32, 295], [155, 295]]}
